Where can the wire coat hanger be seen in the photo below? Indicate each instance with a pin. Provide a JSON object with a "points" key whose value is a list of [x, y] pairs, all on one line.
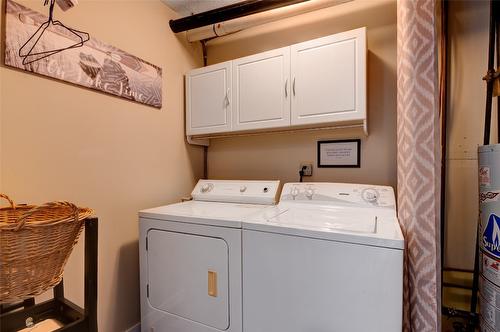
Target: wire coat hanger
{"points": [[27, 56]]}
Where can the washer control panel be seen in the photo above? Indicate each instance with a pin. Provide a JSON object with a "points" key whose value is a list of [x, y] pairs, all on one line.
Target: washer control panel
{"points": [[235, 191], [339, 193]]}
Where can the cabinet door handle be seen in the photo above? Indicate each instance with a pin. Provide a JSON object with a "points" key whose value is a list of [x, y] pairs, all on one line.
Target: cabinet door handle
{"points": [[228, 101], [293, 86], [286, 88]]}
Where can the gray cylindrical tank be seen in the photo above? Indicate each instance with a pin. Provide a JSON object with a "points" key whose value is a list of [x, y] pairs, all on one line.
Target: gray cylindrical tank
{"points": [[489, 240]]}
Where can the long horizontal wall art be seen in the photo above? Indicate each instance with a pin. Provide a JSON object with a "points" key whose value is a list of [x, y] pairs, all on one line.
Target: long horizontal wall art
{"points": [[92, 64]]}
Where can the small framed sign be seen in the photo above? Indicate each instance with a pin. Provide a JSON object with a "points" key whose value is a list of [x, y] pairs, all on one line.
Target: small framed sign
{"points": [[339, 153]]}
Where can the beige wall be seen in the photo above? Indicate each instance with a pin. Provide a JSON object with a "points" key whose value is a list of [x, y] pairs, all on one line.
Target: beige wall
{"points": [[278, 156], [60, 141], [468, 29]]}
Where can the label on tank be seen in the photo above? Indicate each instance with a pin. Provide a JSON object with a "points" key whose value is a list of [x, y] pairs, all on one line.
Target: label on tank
{"points": [[484, 176], [489, 292], [489, 196], [489, 313], [491, 236], [490, 268]]}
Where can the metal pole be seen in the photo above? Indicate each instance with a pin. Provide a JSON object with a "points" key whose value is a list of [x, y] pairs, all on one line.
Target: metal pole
{"points": [[90, 297], [225, 13], [486, 140]]}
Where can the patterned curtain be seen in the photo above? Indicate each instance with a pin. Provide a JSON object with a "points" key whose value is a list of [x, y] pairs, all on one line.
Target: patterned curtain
{"points": [[419, 163]]}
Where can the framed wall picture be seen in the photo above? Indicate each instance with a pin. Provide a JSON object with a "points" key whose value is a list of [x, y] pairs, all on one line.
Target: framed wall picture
{"points": [[339, 153], [57, 53]]}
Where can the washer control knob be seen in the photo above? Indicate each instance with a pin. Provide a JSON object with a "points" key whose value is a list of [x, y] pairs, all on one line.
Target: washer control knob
{"points": [[309, 192], [370, 195], [243, 189], [206, 187], [294, 192]]}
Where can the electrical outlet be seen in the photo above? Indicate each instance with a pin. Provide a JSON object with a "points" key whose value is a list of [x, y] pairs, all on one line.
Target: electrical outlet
{"points": [[308, 170]]}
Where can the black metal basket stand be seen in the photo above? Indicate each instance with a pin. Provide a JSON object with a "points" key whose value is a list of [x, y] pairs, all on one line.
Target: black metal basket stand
{"points": [[75, 319]]}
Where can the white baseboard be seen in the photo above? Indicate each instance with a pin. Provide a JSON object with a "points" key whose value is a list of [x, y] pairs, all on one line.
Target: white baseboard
{"points": [[135, 328]]}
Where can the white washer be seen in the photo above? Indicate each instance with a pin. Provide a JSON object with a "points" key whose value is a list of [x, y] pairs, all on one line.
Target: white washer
{"points": [[190, 257], [328, 257]]}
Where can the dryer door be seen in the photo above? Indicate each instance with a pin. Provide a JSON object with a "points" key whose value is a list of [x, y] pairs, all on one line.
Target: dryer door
{"points": [[188, 276]]}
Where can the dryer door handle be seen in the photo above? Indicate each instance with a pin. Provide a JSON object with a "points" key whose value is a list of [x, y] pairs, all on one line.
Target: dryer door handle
{"points": [[212, 283]]}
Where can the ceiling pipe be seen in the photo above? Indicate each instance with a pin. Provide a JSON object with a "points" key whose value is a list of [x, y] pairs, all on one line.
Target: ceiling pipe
{"points": [[240, 9], [235, 25]]}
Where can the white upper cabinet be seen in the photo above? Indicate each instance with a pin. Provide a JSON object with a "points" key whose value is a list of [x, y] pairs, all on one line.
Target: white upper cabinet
{"points": [[261, 90], [318, 83], [329, 79], [208, 99]]}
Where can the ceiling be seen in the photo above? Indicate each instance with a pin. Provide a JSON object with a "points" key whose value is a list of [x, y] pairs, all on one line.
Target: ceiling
{"points": [[189, 7]]}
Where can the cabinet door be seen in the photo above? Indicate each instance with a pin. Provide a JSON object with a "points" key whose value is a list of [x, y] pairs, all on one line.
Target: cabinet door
{"points": [[329, 79], [262, 90], [208, 99]]}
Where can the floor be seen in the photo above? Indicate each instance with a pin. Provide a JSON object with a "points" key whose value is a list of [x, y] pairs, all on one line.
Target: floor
{"points": [[44, 326], [457, 298]]}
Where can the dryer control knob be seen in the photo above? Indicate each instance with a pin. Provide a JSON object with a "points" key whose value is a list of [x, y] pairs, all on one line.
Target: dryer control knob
{"points": [[294, 192], [243, 189], [206, 187]]}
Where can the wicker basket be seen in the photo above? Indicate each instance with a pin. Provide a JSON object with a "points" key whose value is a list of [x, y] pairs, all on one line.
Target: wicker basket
{"points": [[35, 244]]}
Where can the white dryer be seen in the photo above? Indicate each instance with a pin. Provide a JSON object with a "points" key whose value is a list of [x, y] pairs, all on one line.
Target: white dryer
{"points": [[190, 257], [328, 257]]}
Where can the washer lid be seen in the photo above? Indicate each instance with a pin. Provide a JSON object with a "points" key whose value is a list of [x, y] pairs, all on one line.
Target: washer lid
{"points": [[327, 219], [354, 225], [205, 213]]}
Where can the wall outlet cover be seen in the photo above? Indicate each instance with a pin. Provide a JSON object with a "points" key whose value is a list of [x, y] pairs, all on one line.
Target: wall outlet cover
{"points": [[308, 171]]}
